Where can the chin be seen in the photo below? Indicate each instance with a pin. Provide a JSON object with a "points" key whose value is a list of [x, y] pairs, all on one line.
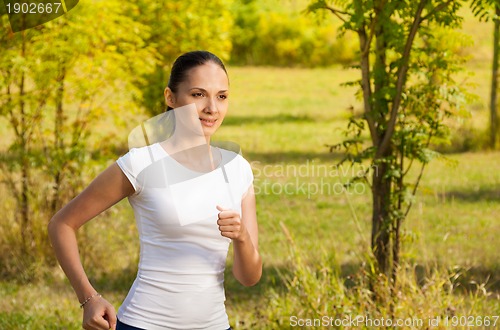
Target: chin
{"points": [[208, 131]]}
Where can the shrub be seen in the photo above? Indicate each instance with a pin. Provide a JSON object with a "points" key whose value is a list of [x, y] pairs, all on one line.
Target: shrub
{"points": [[282, 38]]}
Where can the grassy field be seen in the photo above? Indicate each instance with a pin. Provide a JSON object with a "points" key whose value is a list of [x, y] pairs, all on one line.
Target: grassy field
{"points": [[282, 119]]}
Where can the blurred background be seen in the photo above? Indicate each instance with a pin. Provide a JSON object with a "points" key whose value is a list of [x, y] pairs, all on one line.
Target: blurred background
{"points": [[73, 88]]}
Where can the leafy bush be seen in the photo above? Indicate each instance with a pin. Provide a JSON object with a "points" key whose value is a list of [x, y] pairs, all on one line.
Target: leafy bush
{"points": [[283, 38]]}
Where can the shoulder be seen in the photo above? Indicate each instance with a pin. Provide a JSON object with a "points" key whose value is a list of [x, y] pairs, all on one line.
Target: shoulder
{"points": [[146, 151], [239, 167], [232, 157], [137, 159], [149, 153]]}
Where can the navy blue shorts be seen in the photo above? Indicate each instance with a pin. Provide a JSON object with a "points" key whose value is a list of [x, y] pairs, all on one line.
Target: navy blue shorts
{"points": [[123, 326]]}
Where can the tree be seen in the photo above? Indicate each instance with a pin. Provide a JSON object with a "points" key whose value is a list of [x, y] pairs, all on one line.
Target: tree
{"points": [[490, 10], [55, 82], [177, 27], [271, 34], [406, 61]]}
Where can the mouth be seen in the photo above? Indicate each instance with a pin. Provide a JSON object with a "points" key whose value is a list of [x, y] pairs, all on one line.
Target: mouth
{"points": [[208, 122]]}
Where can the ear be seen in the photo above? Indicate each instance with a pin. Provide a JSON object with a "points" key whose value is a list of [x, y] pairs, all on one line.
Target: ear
{"points": [[169, 97]]}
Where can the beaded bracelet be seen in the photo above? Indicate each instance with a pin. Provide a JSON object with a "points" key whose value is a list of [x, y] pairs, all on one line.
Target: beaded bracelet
{"points": [[88, 299]]}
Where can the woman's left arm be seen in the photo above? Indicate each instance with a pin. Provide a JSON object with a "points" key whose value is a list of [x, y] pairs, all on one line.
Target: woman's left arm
{"points": [[247, 266]]}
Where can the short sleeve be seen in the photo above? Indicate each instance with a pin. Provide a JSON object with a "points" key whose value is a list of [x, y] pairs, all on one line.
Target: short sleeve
{"points": [[246, 174], [133, 163]]}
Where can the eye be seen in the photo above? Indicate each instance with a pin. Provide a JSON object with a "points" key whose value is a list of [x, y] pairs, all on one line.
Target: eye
{"points": [[197, 94], [223, 96]]}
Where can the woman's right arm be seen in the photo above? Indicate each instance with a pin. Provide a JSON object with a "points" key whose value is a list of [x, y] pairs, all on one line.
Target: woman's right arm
{"points": [[107, 189]]}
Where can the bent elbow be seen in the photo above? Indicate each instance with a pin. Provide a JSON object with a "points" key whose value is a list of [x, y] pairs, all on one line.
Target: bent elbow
{"points": [[249, 281], [52, 228]]}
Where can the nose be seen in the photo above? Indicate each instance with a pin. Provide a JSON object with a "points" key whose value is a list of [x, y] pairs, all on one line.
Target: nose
{"points": [[211, 106]]}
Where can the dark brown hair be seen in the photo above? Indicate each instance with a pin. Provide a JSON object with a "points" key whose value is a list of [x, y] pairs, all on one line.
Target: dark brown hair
{"points": [[186, 62]]}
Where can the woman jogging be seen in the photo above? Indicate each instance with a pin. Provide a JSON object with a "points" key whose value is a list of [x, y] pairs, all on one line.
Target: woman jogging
{"points": [[190, 200]]}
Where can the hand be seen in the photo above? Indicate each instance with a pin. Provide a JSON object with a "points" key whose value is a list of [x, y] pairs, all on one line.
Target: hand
{"points": [[99, 314], [230, 224]]}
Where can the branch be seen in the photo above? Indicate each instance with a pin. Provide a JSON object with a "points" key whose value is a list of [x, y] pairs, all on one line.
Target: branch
{"points": [[408, 168], [9, 179], [366, 83], [417, 182], [370, 37], [436, 9], [12, 117], [403, 69], [37, 115], [336, 12], [410, 204]]}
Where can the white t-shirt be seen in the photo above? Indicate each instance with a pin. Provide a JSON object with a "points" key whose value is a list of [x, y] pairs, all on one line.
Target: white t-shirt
{"points": [[180, 279]]}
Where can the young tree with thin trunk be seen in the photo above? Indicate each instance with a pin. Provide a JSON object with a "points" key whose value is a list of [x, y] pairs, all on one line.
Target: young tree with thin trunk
{"points": [[406, 64], [55, 81]]}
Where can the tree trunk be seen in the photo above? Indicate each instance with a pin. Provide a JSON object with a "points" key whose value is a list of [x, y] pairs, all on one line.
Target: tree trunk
{"points": [[26, 228], [494, 81], [398, 189], [381, 224], [58, 141]]}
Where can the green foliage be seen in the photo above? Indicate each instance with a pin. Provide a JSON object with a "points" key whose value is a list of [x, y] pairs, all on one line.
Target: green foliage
{"points": [[55, 82], [280, 37], [454, 223], [408, 61], [104, 65], [484, 9], [177, 27]]}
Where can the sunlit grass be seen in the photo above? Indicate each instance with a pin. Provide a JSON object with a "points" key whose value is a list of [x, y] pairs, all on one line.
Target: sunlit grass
{"points": [[282, 119]]}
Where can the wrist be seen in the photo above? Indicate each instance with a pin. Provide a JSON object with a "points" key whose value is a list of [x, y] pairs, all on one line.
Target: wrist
{"points": [[243, 238], [89, 298], [83, 288]]}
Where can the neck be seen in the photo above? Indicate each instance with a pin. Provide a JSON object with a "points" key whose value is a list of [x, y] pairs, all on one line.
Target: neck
{"points": [[191, 149], [185, 142]]}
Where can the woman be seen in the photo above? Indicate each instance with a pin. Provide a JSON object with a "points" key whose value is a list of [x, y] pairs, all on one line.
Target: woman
{"points": [[179, 283]]}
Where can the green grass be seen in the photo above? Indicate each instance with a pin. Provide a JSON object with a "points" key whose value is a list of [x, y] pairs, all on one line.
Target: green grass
{"points": [[282, 119]]}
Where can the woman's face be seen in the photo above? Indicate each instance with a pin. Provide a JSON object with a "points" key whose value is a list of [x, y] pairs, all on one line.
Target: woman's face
{"points": [[206, 86]]}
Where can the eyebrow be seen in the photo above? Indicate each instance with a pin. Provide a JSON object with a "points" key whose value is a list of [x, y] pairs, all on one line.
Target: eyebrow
{"points": [[202, 89]]}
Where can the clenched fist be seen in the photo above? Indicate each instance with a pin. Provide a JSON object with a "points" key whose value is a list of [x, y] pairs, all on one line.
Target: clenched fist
{"points": [[230, 224]]}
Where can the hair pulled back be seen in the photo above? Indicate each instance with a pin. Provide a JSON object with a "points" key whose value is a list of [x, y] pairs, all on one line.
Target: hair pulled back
{"points": [[188, 61]]}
